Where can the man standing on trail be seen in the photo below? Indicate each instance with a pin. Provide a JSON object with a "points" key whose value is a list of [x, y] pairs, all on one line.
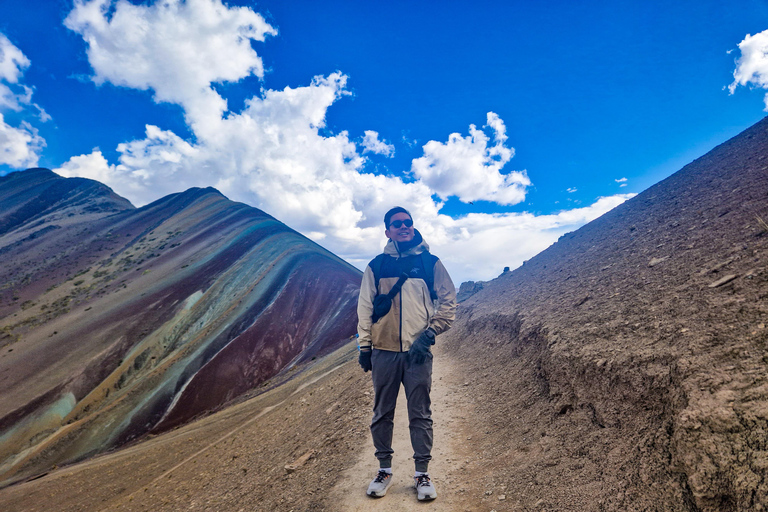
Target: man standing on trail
{"points": [[406, 299]]}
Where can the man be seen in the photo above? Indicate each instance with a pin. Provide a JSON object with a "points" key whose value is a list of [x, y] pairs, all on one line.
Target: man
{"points": [[395, 342]]}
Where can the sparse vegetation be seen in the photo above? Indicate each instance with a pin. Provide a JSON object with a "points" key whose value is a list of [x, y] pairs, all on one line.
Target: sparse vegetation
{"points": [[81, 273]]}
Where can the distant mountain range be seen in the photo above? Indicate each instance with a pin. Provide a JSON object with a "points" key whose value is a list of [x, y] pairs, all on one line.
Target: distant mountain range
{"points": [[117, 321]]}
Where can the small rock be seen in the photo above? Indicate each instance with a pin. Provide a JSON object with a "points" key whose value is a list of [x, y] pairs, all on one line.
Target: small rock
{"points": [[656, 261], [502, 497], [582, 301], [723, 280], [290, 468]]}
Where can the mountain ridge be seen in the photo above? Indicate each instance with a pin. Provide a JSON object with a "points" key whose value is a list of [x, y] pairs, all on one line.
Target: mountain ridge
{"points": [[111, 315]]}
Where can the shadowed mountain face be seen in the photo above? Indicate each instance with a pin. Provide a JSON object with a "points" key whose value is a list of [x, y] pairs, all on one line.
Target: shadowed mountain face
{"points": [[117, 321], [625, 367]]}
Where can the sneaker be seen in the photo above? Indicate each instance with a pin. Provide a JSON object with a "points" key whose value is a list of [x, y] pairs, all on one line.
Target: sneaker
{"points": [[380, 485], [424, 488]]}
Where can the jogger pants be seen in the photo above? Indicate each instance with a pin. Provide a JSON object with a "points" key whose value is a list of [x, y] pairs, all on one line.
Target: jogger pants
{"points": [[390, 369]]}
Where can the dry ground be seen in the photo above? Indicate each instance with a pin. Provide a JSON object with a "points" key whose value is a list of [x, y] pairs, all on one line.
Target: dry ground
{"points": [[235, 459]]}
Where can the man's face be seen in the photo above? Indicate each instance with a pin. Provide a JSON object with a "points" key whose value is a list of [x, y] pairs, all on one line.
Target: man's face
{"points": [[402, 233]]}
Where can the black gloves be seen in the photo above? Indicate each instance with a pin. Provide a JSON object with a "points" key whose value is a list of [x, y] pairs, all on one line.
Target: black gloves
{"points": [[420, 347], [364, 358], [417, 354]]}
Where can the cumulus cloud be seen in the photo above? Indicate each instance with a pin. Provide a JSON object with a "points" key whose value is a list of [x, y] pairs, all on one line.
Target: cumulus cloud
{"points": [[752, 66], [12, 61], [479, 246], [276, 155], [372, 144], [571, 190], [175, 48], [92, 166], [469, 168], [19, 145], [271, 155]]}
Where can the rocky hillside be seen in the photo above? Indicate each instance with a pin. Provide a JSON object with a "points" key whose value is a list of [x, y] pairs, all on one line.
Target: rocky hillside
{"points": [[625, 367], [117, 321]]}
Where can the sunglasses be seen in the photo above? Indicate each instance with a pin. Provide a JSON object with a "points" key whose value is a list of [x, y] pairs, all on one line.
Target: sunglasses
{"points": [[398, 223]]}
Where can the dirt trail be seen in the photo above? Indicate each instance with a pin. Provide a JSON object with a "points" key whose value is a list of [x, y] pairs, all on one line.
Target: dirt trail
{"points": [[235, 460], [449, 455]]}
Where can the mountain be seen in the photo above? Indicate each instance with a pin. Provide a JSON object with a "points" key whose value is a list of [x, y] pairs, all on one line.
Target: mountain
{"points": [[118, 321], [624, 368]]}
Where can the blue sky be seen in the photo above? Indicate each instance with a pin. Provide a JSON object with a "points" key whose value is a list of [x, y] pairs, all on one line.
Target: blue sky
{"points": [[500, 125]]}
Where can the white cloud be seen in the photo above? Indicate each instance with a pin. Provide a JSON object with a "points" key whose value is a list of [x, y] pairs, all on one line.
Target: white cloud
{"points": [[752, 66], [620, 180], [175, 48], [571, 190], [92, 166], [479, 246], [372, 144], [12, 61], [272, 154], [469, 168], [20, 145]]}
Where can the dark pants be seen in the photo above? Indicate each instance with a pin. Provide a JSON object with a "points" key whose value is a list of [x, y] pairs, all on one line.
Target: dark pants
{"points": [[390, 369]]}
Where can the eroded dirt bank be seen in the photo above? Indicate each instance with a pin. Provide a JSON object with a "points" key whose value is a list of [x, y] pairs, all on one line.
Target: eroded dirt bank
{"points": [[625, 367]]}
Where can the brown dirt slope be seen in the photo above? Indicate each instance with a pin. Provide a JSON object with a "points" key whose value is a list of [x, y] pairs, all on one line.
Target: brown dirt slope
{"points": [[624, 368]]}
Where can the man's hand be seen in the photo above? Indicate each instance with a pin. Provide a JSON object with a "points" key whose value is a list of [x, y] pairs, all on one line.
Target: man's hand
{"points": [[364, 358], [420, 347]]}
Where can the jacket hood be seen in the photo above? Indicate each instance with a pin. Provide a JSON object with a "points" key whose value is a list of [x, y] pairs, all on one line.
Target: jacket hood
{"points": [[415, 246]]}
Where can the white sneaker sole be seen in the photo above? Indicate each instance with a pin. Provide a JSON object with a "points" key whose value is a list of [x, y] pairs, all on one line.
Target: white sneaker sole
{"points": [[427, 497], [380, 494]]}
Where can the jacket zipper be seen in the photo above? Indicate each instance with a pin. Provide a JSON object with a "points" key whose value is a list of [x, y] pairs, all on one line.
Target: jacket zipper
{"points": [[400, 298], [401, 319]]}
